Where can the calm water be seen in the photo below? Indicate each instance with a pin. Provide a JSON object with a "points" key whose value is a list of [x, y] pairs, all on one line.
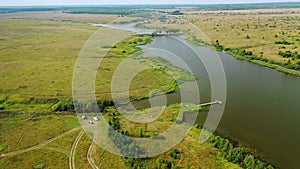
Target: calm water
{"points": [[262, 107]]}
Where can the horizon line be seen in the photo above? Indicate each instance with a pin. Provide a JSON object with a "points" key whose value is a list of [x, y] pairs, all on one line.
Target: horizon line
{"points": [[126, 4]]}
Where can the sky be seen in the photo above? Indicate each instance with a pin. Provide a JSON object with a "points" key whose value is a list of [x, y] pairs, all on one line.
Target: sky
{"points": [[88, 2]]}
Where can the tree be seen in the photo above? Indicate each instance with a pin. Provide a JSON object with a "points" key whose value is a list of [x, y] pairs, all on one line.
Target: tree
{"points": [[259, 164], [249, 162], [269, 167], [141, 133], [237, 155], [146, 127]]}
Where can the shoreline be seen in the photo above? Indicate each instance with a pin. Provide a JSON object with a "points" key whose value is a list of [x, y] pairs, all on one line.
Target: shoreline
{"points": [[275, 65]]}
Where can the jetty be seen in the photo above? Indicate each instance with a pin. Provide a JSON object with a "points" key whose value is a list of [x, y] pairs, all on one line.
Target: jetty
{"points": [[211, 103]]}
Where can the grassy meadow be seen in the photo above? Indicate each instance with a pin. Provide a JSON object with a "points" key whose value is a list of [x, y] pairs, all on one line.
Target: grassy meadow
{"points": [[38, 52]]}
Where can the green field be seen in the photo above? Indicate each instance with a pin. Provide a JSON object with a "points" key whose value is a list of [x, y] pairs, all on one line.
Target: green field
{"points": [[38, 54]]}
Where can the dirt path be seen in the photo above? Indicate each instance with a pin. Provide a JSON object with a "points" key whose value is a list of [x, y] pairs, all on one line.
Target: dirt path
{"points": [[89, 156], [56, 149], [73, 150], [13, 153]]}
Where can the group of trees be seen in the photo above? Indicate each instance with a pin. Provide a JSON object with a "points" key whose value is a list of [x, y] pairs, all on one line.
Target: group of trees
{"points": [[240, 52], [126, 145], [81, 106], [135, 163], [177, 12], [174, 153], [165, 164], [288, 64], [289, 54], [284, 42], [63, 106], [217, 46], [237, 155]]}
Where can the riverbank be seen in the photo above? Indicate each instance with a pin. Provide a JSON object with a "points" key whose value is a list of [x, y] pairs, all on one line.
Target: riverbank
{"points": [[242, 54], [231, 148], [260, 153], [272, 39]]}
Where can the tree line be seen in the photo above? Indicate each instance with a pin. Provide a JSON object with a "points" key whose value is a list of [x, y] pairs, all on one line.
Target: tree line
{"points": [[238, 155], [81, 106]]}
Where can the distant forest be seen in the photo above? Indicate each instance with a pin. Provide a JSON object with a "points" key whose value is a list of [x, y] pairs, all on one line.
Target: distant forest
{"points": [[133, 9]]}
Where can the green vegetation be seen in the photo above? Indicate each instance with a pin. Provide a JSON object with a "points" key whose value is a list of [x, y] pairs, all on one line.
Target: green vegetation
{"points": [[36, 106], [187, 154], [286, 67], [176, 13], [247, 43], [38, 125], [237, 154], [127, 146], [240, 30], [289, 54]]}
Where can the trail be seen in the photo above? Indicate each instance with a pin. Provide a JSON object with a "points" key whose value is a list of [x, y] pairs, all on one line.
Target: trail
{"points": [[89, 156], [13, 153], [73, 151], [56, 149]]}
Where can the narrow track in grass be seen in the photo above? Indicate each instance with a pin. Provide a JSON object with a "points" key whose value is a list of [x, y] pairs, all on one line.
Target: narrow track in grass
{"points": [[89, 156], [73, 150]]}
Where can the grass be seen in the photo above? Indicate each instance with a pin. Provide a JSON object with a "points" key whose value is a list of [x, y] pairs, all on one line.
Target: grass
{"points": [[36, 66], [39, 69], [81, 152], [242, 29], [66, 17], [23, 130], [192, 154], [36, 159], [37, 57], [38, 54]]}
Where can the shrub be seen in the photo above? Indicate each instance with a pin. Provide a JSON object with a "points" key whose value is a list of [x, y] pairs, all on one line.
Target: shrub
{"points": [[63, 106]]}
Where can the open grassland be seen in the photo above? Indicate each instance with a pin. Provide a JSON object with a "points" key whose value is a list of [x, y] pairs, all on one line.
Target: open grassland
{"points": [[254, 32], [38, 58], [66, 17], [36, 159], [23, 130]]}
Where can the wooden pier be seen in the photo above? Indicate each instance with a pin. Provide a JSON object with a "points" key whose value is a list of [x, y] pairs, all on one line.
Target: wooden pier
{"points": [[211, 103]]}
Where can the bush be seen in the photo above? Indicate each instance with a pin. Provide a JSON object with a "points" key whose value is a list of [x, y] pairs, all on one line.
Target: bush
{"points": [[289, 54], [63, 106], [284, 42]]}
